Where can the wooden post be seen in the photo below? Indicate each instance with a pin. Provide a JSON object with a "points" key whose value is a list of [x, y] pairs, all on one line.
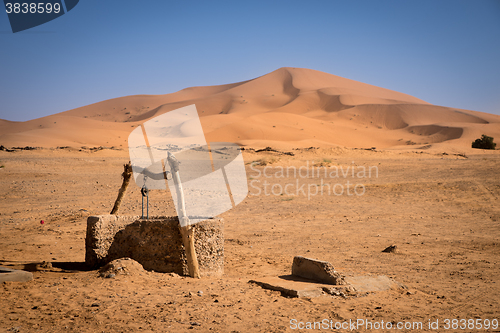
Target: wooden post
{"points": [[187, 231], [127, 173]]}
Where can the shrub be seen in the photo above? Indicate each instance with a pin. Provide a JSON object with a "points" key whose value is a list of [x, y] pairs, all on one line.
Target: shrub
{"points": [[265, 161], [486, 142]]}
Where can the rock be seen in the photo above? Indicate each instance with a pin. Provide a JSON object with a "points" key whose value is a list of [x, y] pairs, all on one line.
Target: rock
{"points": [[390, 249], [321, 271], [46, 265], [155, 243], [333, 291], [123, 266], [344, 291], [173, 275]]}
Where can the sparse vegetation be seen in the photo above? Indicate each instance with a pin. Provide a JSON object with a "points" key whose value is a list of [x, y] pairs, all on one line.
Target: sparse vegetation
{"points": [[324, 163], [485, 142], [265, 161]]}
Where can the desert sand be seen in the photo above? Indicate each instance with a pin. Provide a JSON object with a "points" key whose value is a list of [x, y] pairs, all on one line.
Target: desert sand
{"points": [[432, 196], [288, 108]]}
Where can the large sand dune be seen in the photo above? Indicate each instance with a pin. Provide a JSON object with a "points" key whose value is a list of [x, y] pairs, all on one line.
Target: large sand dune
{"points": [[290, 107]]}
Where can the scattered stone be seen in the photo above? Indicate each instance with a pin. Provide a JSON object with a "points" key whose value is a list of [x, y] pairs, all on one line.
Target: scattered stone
{"points": [[334, 291], [46, 265], [174, 275], [342, 291], [390, 249], [321, 271]]}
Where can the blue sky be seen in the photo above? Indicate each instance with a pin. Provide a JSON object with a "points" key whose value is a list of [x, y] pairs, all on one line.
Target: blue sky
{"points": [[445, 52]]}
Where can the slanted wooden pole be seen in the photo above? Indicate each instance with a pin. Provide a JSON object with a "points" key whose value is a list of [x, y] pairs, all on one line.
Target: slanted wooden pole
{"points": [[187, 231], [127, 173]]}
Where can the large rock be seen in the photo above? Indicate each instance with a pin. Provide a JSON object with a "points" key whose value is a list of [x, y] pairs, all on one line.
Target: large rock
{"points": [[321, 271], [155, 243]]}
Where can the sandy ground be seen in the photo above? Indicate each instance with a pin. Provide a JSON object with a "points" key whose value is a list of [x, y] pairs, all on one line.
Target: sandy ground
{"points": [[442, 212]]}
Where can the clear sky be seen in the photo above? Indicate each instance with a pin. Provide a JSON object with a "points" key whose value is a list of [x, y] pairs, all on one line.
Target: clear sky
{"points": [[445, 52]]}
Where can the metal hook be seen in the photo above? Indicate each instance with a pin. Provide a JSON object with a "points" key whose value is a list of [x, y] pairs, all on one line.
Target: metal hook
{"points": [[145, 193]]}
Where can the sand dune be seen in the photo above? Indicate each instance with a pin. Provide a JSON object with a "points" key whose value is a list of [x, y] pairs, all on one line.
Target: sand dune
{"points": [[289, 107]]}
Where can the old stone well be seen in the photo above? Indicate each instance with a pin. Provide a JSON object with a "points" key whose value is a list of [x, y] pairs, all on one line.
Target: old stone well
{"points": [[156, 243]]}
